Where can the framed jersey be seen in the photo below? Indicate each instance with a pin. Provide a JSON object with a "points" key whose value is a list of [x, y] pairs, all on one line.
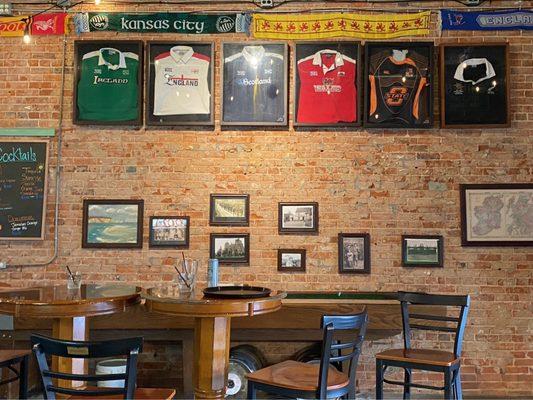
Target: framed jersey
{"points": [[327, 85], [254, 84], [108, 84], [398, 85], [474, 85], [180, 84]]}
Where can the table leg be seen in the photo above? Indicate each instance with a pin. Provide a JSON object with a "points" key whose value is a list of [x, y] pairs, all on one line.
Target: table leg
{"points": [[211, 357]]}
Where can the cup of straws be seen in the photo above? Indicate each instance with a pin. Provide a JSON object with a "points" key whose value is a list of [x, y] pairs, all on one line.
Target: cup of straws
{"points": [[73, 279], [187, 270]]}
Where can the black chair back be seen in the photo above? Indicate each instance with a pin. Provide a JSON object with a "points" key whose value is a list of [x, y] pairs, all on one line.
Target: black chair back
{"points": [[455, 325], [130, 348], [337, 351]]}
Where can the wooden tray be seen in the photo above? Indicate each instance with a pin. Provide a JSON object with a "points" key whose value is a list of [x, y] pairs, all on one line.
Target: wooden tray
{"points": [[236, 292]]}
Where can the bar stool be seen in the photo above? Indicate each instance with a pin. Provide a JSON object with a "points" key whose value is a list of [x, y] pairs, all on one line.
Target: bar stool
{"points": [[9, 359]]}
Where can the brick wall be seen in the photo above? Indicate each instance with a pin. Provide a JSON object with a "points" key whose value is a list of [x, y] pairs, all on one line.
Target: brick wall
{"points": [[384, 182]]}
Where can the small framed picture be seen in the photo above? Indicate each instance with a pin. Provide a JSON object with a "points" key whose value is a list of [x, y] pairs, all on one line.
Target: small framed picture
{"points": [[497, 214], [229, 210], [354, 253], [230, 248], [110, 224], [291, 260], [169, 232], [297, 218], [422, 251]]}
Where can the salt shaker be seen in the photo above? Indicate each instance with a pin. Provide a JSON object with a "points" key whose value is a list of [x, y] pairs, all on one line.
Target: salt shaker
{"points": [[212, 272]]}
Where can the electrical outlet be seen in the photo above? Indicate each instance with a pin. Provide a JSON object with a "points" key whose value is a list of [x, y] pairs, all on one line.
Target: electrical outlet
{"points": [[3, 265], [265, 3]]}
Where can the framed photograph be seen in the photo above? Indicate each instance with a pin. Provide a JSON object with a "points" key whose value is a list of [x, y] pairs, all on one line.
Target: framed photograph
{"points": [[474, 85], [398, 85], [180, 84], [254, 84], [229, 210], [169, 232], [230, 248], [108, 82], [291, 260], [327, 84], [354, 253], [497, 214], [297, 218], [112, 224], [422, 251]]}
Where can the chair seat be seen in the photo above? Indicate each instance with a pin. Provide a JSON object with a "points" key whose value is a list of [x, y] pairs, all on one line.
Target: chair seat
{"points": [[298, 376], [140, 394], [9, 355], [420, 356]]}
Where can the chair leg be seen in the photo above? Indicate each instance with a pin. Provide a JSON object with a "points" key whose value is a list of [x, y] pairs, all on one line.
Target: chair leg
{"points": [[252, 392], [407, 383], [458, 389], [379, 380], [448, 384], [23, 378]]}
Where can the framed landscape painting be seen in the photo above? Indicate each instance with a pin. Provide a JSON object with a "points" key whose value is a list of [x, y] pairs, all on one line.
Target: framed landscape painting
{"points": [[229, 210], [354, 253], [169, 232], [297, 218], [230, 248], [497, 214], [112, 223], [422, 251]]}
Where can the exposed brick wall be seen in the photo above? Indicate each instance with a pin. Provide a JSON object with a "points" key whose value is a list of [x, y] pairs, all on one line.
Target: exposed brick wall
{"points": [[384, 182]]}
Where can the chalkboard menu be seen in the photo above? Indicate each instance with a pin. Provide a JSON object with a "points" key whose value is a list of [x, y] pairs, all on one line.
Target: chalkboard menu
{"points": [[23, 171]]}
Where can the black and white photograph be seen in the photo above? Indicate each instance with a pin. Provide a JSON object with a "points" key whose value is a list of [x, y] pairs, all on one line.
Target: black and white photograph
{"points": [[169, 232], [254, 84], [298, 218], [354, 253], [422, 251], [229, 210], [291, 260], [230, 248]]}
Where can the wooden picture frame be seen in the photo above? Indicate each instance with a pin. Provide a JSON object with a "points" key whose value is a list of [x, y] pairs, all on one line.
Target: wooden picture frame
{"points": [[414, 253], [350, 259], [204, 52], [215, 220], [105, 227], [156, 239], [285, 267], [450, 86], [82, 47], [303, 218], [495, 215], [224, 238]]}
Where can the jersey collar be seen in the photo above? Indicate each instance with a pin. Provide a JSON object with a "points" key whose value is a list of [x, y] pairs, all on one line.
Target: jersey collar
{"points": [[317, 60], [181, 54], [253, 54], [102, 61]]}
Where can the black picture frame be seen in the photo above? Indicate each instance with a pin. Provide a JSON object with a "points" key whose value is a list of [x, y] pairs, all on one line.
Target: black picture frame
{"points": [[376, 53], [104, 217], [304, 51], [244, 259], [344, 260], [215, 220], [235, 103], [420, 241], [82, 47], [157, 241], [283, 227], [202, 52], [284, 268], [459, 103], [487, 211]]}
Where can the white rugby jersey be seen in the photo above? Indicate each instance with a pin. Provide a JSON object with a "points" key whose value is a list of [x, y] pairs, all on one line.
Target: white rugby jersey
{"points": [[181, 85]]}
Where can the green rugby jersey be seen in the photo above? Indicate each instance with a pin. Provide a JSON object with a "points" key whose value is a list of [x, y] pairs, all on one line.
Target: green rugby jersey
{"points": [[108, 88]]}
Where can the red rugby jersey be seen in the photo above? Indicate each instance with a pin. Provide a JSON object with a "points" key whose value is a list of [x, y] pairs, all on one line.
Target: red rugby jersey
{"points": [[327, 88]]}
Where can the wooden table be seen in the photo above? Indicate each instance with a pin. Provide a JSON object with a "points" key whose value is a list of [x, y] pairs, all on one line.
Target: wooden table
{"points": [[212, 326], [69, 310]]}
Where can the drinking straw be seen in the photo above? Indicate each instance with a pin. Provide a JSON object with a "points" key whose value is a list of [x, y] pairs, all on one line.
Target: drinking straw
{"points": [[70, 273], [184, 263], [181, 276]]}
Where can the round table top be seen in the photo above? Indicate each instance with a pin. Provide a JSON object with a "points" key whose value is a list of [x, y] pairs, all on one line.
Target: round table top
{"points": [[168, 300], [59, 302]]}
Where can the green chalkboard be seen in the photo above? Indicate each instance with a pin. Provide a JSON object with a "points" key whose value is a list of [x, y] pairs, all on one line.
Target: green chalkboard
{"points": [[23, 172]]}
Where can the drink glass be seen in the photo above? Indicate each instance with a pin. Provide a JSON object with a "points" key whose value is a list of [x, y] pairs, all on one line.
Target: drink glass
{"points": [[74, 281], [186, 279]]}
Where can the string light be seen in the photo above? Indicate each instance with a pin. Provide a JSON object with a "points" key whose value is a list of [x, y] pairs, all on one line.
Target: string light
{"points": [[27, 37], [97, 2]]}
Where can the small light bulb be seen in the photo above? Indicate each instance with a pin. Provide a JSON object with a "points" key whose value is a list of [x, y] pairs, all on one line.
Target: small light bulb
{"points": [[376, 116], [27, 38], [477, 88], [97, 2], [494, 83], [404, 78], [465, 65]]}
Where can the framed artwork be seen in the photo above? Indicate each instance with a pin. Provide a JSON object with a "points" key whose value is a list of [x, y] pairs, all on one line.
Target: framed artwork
{"points": [[297, 218], [169, 232], [108, 82], [497, 214], [354, 253], [398, 85], [230, 248], [180, 83], [229, 210], [422, 251], [291, 260], [474, 85], [112, 224], [327, 84], [254, 84]]}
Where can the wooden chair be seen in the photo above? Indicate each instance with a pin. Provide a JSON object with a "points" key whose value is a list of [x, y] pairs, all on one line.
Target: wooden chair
{"points": [[10, 358], [407, 358], [296, 379], [130, 347]]}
